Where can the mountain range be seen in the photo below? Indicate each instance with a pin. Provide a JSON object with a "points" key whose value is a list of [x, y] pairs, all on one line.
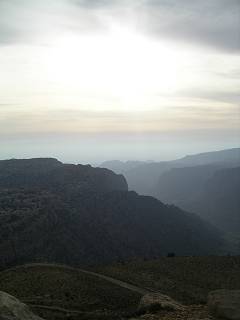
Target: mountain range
{"points": [[207, 184], [78, 215]]}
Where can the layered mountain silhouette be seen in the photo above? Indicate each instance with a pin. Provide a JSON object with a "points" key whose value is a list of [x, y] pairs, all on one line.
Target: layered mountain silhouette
{"points": [[207, 184], [182, 186], [122, 166], [77, 214], [143, 177]]}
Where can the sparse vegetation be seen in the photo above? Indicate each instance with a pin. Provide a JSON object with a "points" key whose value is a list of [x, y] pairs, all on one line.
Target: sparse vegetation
{"points": [[67, 288], [186, 279]]}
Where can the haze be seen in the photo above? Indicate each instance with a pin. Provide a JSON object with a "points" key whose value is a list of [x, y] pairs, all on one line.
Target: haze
{"points": [[87, 81]]}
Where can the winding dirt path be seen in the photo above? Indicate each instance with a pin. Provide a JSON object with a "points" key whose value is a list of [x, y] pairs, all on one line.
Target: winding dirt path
{"points": [[117, 282], [53, 308], [120, 283]]}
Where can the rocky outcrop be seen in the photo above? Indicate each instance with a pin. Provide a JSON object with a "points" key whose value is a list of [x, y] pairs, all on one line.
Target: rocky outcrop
{"points": [[12, 309], [225, 304], [152, 302]]}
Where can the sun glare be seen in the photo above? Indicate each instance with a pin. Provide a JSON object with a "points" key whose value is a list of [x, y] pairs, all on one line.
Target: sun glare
{"points": [[121, 64]]}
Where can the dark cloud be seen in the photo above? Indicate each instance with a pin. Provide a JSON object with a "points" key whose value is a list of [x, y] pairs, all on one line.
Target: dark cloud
{"points": [[214, 23]]}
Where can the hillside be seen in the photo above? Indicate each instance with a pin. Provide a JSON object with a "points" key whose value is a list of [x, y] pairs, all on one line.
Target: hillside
{"points": [[182, 186], [68, 215], [219, 201], [206, 184], [58, 292], [41, 226], [186, 279], [210, 191]]}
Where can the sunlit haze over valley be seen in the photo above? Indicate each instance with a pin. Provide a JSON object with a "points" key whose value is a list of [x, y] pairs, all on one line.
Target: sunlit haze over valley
{"points": [[95, 80]]}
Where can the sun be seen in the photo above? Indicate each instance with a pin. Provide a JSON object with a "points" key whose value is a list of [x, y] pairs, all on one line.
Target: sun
{"points": [[120, 64]]}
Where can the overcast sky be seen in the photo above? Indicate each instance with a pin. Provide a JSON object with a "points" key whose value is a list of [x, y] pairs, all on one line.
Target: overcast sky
{"points": [[87, 81]]}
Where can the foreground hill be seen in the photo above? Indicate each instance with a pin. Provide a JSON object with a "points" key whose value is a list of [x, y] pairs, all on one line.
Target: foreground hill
{"points": [[59, 292], [186, 279], [83, 215]]}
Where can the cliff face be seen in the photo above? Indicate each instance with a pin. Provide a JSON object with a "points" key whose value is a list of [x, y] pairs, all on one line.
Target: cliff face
{"points": [[51, 174]]}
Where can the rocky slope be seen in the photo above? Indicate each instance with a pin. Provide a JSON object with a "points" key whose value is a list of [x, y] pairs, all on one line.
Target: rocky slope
{"points": [[13, 309]]}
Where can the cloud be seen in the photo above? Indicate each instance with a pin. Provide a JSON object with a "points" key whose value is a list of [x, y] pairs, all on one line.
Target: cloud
{"points": [[214, 23], [32, 21], [230, 97], [211, 23]]}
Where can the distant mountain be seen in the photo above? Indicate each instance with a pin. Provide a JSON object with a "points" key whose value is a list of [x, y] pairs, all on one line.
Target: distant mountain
{"points": [[230, 156], [183, 186], [219, 201], [83, 215], [144, 177], [211, 191], [122, 166]]}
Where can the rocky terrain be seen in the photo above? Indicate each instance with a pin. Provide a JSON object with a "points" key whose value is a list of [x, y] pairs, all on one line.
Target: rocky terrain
{"points": [[56, 292], [185, 279]]}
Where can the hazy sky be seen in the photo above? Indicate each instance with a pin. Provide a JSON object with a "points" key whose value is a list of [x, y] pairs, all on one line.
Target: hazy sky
{"points": [[91, 80]]}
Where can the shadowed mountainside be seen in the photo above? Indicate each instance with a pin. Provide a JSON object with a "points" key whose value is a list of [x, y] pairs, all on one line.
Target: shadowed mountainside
{"points": [[210, 191], [53, 175], [184, 185], [219, 201], [206, 183], [83, 215]]}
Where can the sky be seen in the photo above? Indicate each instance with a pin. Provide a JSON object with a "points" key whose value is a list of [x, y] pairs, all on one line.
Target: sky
{"points": [[88, 81]]}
